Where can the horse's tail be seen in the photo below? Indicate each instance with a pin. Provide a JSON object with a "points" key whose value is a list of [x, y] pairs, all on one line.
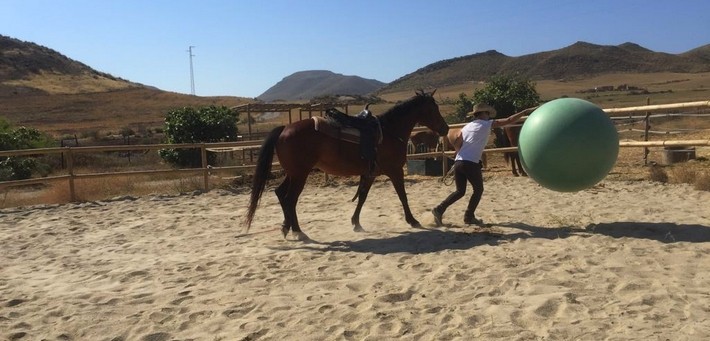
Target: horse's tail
{"points": [[262, 171]]}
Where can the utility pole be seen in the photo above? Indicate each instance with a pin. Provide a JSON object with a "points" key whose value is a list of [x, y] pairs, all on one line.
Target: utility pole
{"points": [[192, 73]]}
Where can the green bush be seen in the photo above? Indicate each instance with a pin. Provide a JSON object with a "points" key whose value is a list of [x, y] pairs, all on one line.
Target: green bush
{"points": [[508, 94], [190, 125], [464, 105], [17, 168], [21, 167]]}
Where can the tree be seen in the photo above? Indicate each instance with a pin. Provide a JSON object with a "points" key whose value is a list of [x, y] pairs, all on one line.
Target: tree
{"points": [[464, 105], [190, 125], [508, 94]]}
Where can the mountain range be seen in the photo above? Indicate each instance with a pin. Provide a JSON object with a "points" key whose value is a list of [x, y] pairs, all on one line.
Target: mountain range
{"points": [[579, 60], [26, 67]]}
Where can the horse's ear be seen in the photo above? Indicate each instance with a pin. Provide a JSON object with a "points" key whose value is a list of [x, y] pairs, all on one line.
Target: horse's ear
{"points": [[419, 92]]}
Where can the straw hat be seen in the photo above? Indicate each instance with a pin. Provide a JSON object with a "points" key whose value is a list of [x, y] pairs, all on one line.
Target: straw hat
{"points": [[481, 107]]}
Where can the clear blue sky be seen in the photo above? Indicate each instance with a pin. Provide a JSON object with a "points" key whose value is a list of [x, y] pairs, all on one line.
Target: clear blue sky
{"points": [[243, 47]]}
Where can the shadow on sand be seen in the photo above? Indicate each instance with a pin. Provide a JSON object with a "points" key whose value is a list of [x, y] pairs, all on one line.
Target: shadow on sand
{"points": [[662, 232], [425, 240]]}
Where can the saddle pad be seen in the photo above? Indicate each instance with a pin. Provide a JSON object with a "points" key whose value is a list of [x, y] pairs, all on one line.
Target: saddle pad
{"points": [[347, 134]]}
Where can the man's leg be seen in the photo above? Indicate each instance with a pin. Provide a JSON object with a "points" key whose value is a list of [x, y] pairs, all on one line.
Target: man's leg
{"points": [[460, 181], [474, 175]]}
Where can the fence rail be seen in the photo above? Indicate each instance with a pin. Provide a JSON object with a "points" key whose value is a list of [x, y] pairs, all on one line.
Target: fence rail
{"points": [[69, 153], [205, 169]]}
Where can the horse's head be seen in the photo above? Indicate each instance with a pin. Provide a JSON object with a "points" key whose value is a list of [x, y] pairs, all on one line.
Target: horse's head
{"points": [[429, 114]]}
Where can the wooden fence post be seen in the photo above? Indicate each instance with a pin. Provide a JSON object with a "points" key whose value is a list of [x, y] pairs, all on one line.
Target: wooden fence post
{"points": [[249, 120], [205, 170], [647, 127], [70, 167]]}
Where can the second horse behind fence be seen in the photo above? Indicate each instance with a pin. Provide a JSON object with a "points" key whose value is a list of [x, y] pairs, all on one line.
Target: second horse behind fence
{"points": [[508, 137]]}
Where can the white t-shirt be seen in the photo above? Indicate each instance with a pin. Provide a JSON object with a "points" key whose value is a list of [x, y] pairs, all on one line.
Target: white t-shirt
{"points": [[475, 137]]}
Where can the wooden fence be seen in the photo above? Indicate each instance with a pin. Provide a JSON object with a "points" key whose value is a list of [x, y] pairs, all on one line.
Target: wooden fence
{"points": [[69, 153], [613, 112]]}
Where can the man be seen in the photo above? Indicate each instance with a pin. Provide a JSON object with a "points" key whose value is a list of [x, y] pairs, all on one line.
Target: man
{"points": [[469, 145]]}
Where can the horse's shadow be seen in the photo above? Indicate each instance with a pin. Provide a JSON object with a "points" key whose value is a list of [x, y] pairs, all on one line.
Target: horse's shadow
{"points": [[420, 241], [414, 241]]}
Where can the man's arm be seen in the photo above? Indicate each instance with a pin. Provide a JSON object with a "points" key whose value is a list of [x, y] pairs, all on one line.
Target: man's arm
{"points": [[455, 138], [512, 118]]}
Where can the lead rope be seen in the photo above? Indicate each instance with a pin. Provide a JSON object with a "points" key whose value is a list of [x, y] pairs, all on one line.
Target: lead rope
{"points": [[449, 174]]}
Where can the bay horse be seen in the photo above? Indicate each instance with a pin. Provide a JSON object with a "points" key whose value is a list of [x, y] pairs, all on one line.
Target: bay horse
{"points": [[428, 139], [508, 137], [300, 148]]}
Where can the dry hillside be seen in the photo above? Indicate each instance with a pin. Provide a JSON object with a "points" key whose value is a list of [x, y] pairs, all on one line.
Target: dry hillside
{"points": [[104, 112], [43, 89]]}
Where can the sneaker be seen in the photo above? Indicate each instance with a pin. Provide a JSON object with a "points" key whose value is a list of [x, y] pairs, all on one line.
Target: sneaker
{"points": [[437, 216]]}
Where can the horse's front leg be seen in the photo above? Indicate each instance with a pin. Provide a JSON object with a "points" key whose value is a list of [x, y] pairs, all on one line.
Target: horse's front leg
{"points": [[362, 190], [397, 178]]}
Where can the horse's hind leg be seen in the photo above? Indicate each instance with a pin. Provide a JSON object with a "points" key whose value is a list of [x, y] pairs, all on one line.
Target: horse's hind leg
{"points": [[510, 158], [520, 165], [293, 191], [362, 190], [281, 193]]}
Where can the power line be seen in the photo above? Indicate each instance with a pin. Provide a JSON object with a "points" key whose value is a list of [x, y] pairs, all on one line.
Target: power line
{"points": [[192, 73]]}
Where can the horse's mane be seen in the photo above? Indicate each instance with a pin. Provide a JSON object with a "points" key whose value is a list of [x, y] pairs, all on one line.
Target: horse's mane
{"points": [[403, 108]]}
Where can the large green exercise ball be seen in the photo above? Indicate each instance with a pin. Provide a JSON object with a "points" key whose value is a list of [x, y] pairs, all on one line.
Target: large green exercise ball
{"points": [[568, 145]]}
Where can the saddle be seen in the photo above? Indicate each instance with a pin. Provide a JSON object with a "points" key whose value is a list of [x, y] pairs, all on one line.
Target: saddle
{"points": [[364, 130], [344, 127]]}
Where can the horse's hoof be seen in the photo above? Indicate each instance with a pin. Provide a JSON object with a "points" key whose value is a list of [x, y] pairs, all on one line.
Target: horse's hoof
{"points": [[358, 228], [284, 230], [416, 225]]}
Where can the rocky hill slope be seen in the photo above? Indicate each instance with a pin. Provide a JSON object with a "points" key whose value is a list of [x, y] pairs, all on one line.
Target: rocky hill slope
{"points": [[305, 85]]}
